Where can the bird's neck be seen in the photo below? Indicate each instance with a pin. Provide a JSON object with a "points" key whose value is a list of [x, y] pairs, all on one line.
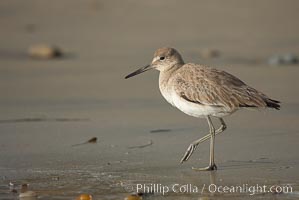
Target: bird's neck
{"points": [[165, 75]]}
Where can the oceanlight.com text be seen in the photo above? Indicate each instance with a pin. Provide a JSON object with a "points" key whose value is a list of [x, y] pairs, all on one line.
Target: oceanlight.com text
{"points": [[157, 188]]}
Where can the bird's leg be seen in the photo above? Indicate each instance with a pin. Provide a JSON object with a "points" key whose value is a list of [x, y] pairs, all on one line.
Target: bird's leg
{"points": [[212, 165], [194, 144]]}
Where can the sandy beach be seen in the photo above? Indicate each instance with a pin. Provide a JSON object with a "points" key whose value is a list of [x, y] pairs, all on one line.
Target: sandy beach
{"points": [[48, 105]]}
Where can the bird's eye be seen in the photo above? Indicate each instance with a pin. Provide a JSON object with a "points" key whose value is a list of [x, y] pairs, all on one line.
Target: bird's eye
{"points": [[162, 58]]}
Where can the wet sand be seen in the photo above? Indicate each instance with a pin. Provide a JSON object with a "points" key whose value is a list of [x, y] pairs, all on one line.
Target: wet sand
{"points": [[49, 105]]}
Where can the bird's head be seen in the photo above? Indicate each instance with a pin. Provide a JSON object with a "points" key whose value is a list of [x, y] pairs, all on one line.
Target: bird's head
{"points": [[164, 60]]}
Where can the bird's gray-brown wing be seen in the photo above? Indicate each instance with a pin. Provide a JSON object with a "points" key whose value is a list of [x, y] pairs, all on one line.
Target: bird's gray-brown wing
{"points": [[209, 86]]}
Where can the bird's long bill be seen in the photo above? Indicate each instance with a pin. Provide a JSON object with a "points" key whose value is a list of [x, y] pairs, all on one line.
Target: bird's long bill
{"points": [[139, 71]]}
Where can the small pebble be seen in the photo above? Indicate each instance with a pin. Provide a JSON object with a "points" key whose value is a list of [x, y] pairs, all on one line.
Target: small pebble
{"points": [[11, 185], [284, 59], [84, 197], [133, 197], [93, 140], [44, 52], [290, 58], [14, 191], [28, 194], [275, 60], [24, 187], [55, 178]]}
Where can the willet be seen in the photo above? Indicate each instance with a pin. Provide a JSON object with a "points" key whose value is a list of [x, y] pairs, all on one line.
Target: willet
{"points": [[203, 92]]}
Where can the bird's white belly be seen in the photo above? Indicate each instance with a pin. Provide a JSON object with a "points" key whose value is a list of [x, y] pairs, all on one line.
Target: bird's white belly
{"points": [[193, 109]]}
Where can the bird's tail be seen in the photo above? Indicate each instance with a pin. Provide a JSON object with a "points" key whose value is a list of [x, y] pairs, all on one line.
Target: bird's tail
{"points": [[271, 103]]}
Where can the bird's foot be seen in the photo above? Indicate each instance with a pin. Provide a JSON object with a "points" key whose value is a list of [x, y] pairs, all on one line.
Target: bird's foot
{"points": [[189, 152], [208, 168]]}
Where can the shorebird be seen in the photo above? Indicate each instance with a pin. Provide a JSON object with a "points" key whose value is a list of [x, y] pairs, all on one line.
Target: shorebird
{"points": [[203, 92]]}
